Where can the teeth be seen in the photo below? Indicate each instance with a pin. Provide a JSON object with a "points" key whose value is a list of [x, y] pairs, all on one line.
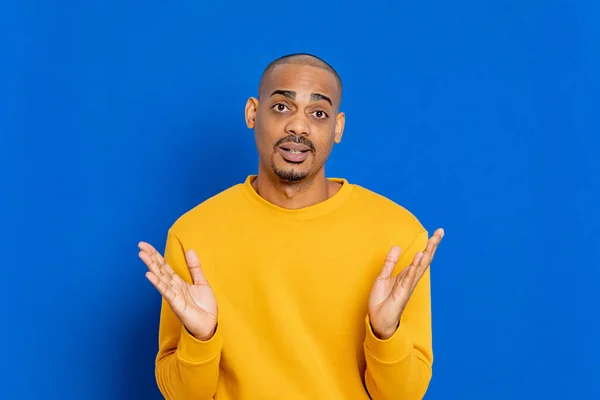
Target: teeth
{"points": [[294, 151]]}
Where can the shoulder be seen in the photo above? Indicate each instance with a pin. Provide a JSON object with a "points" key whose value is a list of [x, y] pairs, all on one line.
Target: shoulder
{"points": [[387, 214], [209, 212], [379, 204]]}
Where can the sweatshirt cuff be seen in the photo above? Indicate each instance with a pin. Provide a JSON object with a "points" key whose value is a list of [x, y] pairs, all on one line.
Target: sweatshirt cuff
{"points": [[396, 348], [192, 350]]}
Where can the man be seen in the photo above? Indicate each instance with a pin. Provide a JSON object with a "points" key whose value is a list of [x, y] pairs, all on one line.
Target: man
{"points": [[292, 285]]}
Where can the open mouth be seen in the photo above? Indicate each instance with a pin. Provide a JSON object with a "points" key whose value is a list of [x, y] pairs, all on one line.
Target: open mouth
{"points": [[294, 155], [294, 151]]}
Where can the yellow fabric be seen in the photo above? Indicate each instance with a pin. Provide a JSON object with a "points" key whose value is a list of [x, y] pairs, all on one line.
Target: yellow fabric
{"points": [[292, 288]]}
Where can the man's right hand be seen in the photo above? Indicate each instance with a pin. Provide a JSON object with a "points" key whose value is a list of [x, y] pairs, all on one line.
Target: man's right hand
{"points": [[195, 305]]}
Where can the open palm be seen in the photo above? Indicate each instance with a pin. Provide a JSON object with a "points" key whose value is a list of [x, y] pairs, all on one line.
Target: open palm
{"points": [[194, 304], [390, 294]]}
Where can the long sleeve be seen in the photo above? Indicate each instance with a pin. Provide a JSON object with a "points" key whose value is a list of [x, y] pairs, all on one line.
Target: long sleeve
{"points": [[186, 368], [399, 368]]}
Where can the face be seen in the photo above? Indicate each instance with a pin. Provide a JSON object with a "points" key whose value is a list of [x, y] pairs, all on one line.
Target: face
{"points": [[296, 122]]}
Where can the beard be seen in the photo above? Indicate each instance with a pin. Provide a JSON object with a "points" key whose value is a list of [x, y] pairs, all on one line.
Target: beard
{"points": [[289, 175]]}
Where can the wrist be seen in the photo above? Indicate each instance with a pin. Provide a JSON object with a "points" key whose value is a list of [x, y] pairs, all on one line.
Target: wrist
{"points": [[384, 334], [203, 336]]}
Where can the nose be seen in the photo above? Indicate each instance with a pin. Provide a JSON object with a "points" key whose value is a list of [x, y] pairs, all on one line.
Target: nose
{"points": [[298, 126]]}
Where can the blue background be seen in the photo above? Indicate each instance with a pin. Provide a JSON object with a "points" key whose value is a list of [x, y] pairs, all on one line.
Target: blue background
{"points": [[480, 117]]}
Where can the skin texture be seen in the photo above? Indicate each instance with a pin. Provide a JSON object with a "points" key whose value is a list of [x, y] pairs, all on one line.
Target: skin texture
{"points": [[299, 104]]}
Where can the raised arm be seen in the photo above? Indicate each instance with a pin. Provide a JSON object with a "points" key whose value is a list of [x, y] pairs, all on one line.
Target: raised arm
{"points": [[187, 363], [398, 347]]}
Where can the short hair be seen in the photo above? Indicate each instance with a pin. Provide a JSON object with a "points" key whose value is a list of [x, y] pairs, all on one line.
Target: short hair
{"points": [[302, 59]]}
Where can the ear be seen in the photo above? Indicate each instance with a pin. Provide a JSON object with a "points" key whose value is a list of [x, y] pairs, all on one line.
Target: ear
{"points": [[251, 110], [340, 121]]}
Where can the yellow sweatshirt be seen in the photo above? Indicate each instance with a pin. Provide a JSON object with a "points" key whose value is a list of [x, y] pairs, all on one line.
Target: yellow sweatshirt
{"points": [[292, 287]]}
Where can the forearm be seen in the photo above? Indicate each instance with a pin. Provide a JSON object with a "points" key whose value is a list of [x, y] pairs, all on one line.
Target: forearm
{"points": [[186, 368], [192, 370], [399, 368], [396, 370]]}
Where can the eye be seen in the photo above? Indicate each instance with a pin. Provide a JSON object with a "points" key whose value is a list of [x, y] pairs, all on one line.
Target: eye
{"points": [[279, 107], [320, 114]]}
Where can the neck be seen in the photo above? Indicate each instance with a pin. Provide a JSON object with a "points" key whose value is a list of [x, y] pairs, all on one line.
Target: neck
{"points": [[294, 195]]}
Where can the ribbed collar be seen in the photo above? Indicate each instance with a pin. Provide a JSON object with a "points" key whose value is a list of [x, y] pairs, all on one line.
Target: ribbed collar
{"points": [[306, 213]]}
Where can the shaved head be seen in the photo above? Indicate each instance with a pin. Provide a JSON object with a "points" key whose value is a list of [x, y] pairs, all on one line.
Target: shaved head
{"points": [[300, 59]]}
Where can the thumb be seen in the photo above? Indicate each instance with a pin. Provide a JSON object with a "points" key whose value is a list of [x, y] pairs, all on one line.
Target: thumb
{"points": [[193, 263], [390, 263]]}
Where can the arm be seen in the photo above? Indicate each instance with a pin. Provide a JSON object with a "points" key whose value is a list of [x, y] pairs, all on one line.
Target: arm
{"points": [[186, 368], [399, 367]]}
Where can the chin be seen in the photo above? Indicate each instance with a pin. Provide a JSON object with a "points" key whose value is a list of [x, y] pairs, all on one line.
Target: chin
{"points": [[291, 175]]}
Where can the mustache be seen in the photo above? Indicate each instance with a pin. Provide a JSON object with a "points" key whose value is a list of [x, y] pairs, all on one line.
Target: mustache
{"points": [[295, 139]]}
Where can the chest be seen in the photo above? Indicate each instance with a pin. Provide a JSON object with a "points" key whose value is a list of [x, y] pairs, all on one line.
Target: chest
{"points": [[303, 269]]}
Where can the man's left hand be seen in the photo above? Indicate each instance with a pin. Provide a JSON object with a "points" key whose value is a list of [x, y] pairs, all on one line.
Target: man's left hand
{"points": [[390, 294]]}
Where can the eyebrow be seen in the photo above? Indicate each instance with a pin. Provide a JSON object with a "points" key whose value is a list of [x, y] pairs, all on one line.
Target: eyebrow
{"points": [[290, 94]]}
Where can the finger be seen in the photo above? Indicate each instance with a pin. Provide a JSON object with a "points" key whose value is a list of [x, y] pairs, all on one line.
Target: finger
{"points": [[391, 259], [405, 283], [144, 245], [427, 258], [162, 272], [153, 255], [399, 291], [193, 263], [437, 238], [414, 270], [147, 247], [432, 245], [416, 260], [165, 290], [168, 271], [421, 269], [150, 263], [165, 270], [402, 275]]}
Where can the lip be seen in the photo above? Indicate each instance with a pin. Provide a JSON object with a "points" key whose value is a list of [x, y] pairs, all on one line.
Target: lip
{"points": [[295, 146], [293, 157]]}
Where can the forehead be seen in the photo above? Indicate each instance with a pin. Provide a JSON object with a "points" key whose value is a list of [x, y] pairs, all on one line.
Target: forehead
{"points": [[301, 79]]}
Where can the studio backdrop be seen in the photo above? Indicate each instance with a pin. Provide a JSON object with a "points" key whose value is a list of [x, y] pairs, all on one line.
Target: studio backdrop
{"points": [[479, 117]]}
